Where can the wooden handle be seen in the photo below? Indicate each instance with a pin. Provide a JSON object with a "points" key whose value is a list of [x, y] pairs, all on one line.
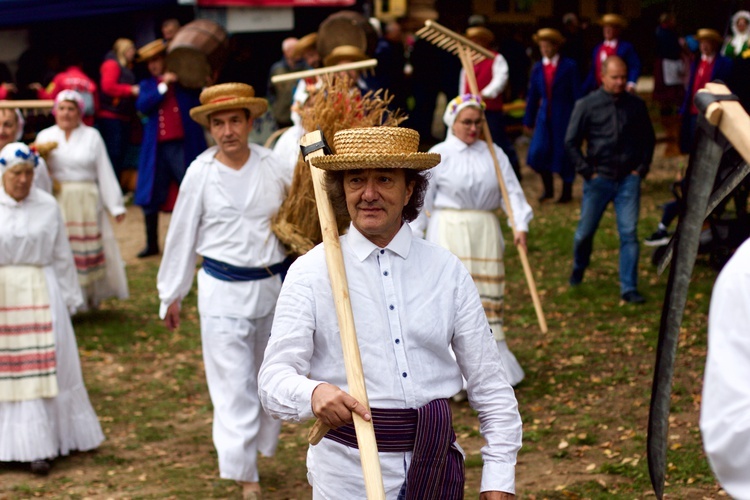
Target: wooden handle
{"points": [[367, 63], [317, 432], [28, 104], [471, 79], [731, 119], [355, 378]]}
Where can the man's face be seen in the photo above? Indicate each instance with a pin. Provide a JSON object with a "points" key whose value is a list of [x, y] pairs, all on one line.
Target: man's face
{"points": [[615, 78], [708, 48], [610, 32], [230, 129], [17, 181], [8, 127], [156, 65], [375, 199], [548, 49], [312, 58]]}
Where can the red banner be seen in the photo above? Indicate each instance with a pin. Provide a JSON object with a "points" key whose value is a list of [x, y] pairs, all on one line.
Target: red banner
{"points": [[276, 3]]}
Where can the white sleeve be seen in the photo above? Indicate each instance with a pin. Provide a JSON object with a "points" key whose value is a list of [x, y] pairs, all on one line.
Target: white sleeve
{"points": [[42, 179], [522, 212], [284, 389], [499, 78], [177, 269], [64, 266], [109, 186], [725, 408]]}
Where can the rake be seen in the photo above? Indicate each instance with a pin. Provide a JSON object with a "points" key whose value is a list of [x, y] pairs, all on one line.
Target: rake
{"points": [[471, 53]]}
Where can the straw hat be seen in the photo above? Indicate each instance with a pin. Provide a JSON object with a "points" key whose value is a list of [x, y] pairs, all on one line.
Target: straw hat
{"points": [[710, 35], [344, 53], [228, 96], [615, 20], [480, 35], [307, 42], [376, 147], [151, 49], [549, 35]]}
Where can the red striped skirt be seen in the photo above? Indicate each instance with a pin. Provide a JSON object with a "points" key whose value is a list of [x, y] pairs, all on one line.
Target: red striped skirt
{"points": [[79, 203]]}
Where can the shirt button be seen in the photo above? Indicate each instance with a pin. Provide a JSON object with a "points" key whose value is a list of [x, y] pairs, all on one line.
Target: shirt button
{"points": [[382, 252], [398, 341], [391, 307], [385, 273], [403, 374]]}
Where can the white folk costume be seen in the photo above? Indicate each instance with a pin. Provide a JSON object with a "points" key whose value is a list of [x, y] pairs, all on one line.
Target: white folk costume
{"points": [[88, 185], [287, 147], [725, 406], [225, 215], [460, 214], [412, 301], [44, 407]]}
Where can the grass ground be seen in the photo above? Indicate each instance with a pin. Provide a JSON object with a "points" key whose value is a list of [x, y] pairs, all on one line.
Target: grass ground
{"points": [[584, 401]]}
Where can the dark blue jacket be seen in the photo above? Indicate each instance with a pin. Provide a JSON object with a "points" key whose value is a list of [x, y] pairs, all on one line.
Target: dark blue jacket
{"points": [[627, 52], [722, 70], [549, 117], [148, 103]]}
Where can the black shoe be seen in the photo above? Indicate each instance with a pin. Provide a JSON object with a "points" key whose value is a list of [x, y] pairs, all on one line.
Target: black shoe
{"points": [[633, 297], [547, 185], [567, 193], [576, 277], [148, 252], [659, 238], [40, 467]]}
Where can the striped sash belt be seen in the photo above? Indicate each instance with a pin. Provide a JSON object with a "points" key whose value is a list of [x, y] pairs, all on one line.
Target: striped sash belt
{"points": [[437, 467]]}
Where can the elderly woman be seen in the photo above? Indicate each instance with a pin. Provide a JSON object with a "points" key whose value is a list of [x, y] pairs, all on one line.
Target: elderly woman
{"points": [[87, 182], [461, 203], [44, 408], [11, 130], [117, 93]]}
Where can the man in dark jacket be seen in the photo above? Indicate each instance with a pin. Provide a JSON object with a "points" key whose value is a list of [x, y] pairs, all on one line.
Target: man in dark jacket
{"points": [[620, 146]]}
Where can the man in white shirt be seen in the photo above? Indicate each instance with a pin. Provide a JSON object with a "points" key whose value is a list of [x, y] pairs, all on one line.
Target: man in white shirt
{"points": [[223, 213], [412, 301], [725, 407]]}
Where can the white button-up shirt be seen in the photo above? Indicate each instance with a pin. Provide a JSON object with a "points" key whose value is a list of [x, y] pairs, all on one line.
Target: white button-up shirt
{"points": [[412, 301], [465, 179], [725, 410], [209, 221]]}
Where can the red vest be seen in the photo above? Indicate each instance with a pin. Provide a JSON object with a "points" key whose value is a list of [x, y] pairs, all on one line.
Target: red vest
{"points": [[549, 77], [604, 53], [483, 72], [170, 121], [702, 77]]}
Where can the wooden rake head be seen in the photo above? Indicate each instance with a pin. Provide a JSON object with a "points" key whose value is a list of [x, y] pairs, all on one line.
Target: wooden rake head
{"points": [[453, 42]]}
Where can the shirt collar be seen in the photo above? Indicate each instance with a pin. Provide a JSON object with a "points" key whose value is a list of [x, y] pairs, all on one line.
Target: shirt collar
{"points": [[708, 59], [363, 248], [611, 43], [553, 60], [457, 143]]}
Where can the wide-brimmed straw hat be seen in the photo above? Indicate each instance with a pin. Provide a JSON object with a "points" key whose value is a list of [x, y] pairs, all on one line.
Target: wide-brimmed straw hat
{"points": [[228, 96], [710, 35], [151, 49], [480, 35], [615, 20], [549, 35], [344, 53], [307, 42], [376, 147]]}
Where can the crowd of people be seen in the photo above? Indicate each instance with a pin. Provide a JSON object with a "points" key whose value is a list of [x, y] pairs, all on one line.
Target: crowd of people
{"points": [[268, 322]]}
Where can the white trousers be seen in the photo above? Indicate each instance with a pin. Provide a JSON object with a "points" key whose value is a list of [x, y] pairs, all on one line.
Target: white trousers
{"points": [[233, 350]]}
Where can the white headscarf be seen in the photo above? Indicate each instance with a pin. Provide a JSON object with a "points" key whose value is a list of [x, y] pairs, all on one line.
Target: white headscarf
{"points": [[16, 153], [21, 124], [455, 106], [739, 39]]}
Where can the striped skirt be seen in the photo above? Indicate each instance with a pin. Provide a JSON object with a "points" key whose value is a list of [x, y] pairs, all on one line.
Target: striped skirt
{"points": [[27, 340], [79, 202]]}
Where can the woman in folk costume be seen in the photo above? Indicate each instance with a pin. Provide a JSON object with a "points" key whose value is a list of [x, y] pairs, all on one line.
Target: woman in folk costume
{"points": [[461, 202], [737, 48], [554, 87], [44, 408], [87, 184], [11, 130]]}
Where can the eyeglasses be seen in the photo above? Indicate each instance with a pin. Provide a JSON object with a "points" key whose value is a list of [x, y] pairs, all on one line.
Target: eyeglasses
{"points": [[469, 123]]}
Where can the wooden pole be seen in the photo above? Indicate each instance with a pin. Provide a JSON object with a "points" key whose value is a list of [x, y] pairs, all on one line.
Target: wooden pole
{"points": [[471, 79], [355, 378], [359, 65]]}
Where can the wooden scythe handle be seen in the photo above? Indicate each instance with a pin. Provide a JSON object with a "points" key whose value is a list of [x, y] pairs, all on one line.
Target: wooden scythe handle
{"points": [[471, 78], [730, 117], [355, 378]]}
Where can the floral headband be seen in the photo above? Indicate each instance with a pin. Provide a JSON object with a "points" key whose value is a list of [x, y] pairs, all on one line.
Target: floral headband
{"points": [[16, 153], [458, 103]]}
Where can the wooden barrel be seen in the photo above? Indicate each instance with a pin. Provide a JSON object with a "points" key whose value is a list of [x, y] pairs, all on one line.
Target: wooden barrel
{"points": [[198, 50], [346, 28]]}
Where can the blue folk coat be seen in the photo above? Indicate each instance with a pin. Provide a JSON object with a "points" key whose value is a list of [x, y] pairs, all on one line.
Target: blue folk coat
{"points": [[628, 54], [549, 117], [148, 103]]}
